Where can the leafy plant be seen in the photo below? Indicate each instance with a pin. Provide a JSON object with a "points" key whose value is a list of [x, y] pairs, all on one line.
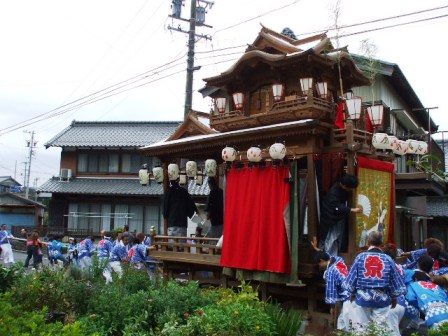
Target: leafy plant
{"points": [[176, 300], [8, 276], [15, 320], [287, 322], [369, 63], [430, 164], [442, 331], [112, 310], [38, 290]]}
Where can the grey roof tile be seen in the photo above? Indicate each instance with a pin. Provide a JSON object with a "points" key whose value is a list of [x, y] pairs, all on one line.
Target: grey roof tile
{"points": [[118, 186], [113, 133], [437, 206]]}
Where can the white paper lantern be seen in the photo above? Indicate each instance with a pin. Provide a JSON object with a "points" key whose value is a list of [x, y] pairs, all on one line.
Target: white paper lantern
{"points": [[392, 142], [412, 146], [401, 147], [422, 148], [143, 175], [380, 141], [210, 167], [173, 171], [254, 154], [277, 151], [229, 154], [191, 168], [157, 172]]}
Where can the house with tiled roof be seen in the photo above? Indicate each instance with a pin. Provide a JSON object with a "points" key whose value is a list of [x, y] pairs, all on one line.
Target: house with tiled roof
{"points": [[8, 184], [98, 186]]}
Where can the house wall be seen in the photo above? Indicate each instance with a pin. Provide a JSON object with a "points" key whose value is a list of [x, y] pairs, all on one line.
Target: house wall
{"points": [[22, 219], [69, 161]]}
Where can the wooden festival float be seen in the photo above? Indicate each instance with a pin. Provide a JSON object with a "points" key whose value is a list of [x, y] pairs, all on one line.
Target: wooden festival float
{"points": [[280, 105]]}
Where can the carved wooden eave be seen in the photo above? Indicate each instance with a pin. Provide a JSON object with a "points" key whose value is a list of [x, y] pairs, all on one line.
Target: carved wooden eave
{"points": [[270, 39], [319, 55], [195, 123], [302, 136]]}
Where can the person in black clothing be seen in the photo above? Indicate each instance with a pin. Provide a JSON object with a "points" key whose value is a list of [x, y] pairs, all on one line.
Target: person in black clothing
{"points": [[334, 212], [215, 208], [177, 207]]}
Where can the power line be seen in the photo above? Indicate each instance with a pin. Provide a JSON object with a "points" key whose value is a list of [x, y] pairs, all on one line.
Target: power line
{"points": [[145, 76], [2, 131], [256, 17], [393, 26], [96, 99], [373, 21]]}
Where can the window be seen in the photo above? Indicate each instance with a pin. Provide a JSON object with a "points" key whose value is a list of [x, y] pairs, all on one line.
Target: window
{"points": [[109, 163], [92, 166], [96, 217], [82, 163], [114, 163]]}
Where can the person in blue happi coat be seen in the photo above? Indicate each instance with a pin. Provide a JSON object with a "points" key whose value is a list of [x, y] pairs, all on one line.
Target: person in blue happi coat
{"points": [[440, 277], [86, 249], [137, 256], [118, 255], [429, 298], [335, 272], [105, 246], [374, 284], [433, 248], [55, 252]]}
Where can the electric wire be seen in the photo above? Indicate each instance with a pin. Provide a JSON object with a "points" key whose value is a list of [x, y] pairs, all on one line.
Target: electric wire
{"points": [[393, 26], [372, 21], [256, 17], [111, 93], [144, 76], [140, 76]]}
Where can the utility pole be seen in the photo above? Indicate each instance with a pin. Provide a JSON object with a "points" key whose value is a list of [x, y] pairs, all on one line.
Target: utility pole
{"points": [[35, 188], [31, 144], [24, 173], [197, 18]]}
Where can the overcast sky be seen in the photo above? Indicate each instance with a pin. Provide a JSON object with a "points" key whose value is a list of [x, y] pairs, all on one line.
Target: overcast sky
{"points": [[57, 52]]}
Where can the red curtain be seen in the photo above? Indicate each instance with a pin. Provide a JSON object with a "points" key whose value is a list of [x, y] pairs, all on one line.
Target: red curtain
{"points": [[340, 116], [254, 227]]}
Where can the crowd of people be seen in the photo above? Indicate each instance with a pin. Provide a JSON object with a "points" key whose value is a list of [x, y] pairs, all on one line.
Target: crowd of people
{"points": [[111, 253], [376, 289]]}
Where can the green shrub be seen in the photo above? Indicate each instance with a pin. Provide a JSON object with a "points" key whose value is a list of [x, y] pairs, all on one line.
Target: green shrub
{"points": [[41, 289], [235, 319], [287, 322], [8, 276], [443, 331], [113, 309], [176, 300], [17, 321]]}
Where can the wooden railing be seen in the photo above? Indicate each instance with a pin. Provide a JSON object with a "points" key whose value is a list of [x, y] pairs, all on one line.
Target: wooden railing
{"points": [[302, 102], [196, 250]]}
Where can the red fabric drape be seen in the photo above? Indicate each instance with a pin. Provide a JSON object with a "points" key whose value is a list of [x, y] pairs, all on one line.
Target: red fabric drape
{"points": [[254, 227], [332, 169], [340, 116], [387, 167], [369, 127]]}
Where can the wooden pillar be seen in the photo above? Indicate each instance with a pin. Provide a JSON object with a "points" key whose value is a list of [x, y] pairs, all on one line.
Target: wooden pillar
{"points": [[312, 197], [351, 169], [166, 184]]}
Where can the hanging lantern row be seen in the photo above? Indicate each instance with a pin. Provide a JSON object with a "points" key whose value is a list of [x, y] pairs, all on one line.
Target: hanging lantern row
{"points": [[400, 147], [191, 171], [278, 92], [354, 107], [255, 154]]}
